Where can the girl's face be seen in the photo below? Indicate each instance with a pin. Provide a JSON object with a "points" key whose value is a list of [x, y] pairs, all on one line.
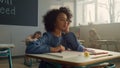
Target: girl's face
{"points": [[61, 22]]}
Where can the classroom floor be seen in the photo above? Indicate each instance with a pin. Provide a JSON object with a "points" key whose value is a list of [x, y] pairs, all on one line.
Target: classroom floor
{"points": [[18, 63]]}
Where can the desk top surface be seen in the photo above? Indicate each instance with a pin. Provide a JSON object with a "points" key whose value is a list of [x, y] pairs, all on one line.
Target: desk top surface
{"points": [[7, 45], [78, 60]]}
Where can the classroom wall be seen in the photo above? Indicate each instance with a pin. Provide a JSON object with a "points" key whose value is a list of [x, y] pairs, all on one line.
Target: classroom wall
{"points": [[106, 32]]}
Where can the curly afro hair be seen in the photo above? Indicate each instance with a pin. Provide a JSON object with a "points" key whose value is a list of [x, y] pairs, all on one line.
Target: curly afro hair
{"points": [[49, 18]]}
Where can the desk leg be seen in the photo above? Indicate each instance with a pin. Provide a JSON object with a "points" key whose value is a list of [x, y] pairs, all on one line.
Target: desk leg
{"points": [[10, 58]]}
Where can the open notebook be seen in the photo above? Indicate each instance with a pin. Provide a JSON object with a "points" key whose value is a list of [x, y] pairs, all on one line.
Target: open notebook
{"points": [[65, 54], [96, 53]]}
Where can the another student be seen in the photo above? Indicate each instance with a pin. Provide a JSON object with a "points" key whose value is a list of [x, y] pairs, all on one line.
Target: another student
{"points": [[93, 37], [33, 37], [57, 37], [29, 39]]}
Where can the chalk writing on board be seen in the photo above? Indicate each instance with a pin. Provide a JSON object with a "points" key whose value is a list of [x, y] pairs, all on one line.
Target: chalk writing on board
{"points": [[7, 7], [19, 12]]}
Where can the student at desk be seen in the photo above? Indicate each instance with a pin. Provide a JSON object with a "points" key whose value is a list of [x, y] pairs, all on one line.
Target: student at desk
{"points": [[57, 38], [93, 37], [28, 40]]}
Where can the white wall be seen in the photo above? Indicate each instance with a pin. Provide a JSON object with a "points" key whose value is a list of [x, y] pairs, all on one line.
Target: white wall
{"points": [[16, 34]]}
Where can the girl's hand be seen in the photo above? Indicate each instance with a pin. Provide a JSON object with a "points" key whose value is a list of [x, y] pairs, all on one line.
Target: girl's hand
{"points": [[62, 48], [54, 49], [57, 49], [67, 28]]}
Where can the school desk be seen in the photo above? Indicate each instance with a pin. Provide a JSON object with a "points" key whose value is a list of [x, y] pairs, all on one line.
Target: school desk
{"points": [[7, 52], [79, 61]]}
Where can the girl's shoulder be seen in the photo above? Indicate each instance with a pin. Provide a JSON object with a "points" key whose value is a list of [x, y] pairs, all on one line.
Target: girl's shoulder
{"points": [[47, 35]]}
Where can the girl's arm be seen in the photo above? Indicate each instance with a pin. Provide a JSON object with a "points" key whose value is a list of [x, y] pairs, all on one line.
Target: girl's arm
{"points": [[72, 43]]}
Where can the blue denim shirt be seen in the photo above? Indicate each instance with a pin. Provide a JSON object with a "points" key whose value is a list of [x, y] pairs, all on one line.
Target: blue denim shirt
{"points": [[48, 40]]}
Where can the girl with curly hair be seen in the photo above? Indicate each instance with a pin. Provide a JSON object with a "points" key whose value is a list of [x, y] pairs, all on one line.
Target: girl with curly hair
{"points": [[57, 37]]}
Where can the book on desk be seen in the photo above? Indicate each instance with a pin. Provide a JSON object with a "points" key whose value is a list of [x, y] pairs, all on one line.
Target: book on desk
{"points": [[65, 54], [98, 53]]}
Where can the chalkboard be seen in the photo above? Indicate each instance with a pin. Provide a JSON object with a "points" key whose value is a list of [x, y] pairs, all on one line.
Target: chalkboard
{"points": [[19, 12]]}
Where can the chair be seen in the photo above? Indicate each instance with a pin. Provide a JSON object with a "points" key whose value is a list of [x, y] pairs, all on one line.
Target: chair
{"points": [[27, 60], [6, 53]]}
